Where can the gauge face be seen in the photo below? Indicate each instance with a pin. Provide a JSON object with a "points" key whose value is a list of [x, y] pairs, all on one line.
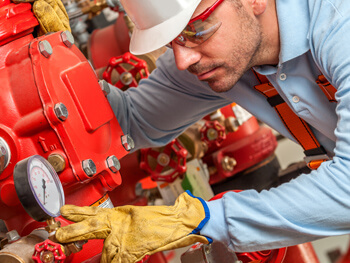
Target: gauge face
{"points": [[38, 188], [45, 186]]}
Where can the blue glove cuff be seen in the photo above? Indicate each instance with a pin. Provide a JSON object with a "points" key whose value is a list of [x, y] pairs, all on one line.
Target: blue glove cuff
{"points": [[206, 218]]}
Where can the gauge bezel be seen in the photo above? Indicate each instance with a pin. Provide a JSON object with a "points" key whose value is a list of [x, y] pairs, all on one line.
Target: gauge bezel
{"points": [[26, 192]]}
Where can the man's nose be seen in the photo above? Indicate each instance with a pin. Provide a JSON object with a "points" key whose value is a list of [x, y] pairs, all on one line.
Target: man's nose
{"points": [[185, 57]]}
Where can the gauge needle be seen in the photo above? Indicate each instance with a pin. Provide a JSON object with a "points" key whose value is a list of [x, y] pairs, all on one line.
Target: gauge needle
{"points": [[44, 188]]}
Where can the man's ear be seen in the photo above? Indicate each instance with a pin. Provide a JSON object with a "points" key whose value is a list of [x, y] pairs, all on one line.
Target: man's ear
{"points": [[259, 6]]}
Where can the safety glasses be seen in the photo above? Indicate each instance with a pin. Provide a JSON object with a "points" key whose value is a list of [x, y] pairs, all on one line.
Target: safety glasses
{"points": [[199, 29]]}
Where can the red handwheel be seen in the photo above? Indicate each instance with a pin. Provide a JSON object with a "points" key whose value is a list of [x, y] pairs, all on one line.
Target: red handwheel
{"points": [[164, 164], [212, 133], [129, 67], [48, 251]]}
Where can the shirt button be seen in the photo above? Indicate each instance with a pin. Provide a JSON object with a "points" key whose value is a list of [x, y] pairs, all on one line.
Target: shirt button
{"points": [[283, 76], [295, 99]]}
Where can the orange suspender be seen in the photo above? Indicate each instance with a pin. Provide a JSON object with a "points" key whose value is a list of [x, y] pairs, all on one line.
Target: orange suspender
{"points": [[327, 88], [300, 130]]}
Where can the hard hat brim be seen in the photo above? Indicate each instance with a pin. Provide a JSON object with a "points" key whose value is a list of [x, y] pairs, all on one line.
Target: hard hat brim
{"points": [[148, 40]]}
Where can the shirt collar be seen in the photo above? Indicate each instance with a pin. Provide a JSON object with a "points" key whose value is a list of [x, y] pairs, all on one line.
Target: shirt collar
{"points": [[293, 18]]}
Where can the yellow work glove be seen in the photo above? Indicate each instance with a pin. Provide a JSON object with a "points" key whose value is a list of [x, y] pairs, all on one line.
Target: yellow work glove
{"points": [[51, 14], [132, 232]]}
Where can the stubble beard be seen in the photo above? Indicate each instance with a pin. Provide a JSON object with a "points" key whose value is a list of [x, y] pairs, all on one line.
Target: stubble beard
{"points": [[240, 61]]}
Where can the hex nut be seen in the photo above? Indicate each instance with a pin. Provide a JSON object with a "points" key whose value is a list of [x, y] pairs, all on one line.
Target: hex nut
{"points": [[45, 48], [12, 236], [104, 86], [126, 78], [67, 38], [163, 159], [89, 167], [127, 142], [212, 134], [113, 163], [61, 111]]}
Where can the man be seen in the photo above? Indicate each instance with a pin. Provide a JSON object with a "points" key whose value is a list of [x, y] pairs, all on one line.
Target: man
{"points": [[292, 42]]}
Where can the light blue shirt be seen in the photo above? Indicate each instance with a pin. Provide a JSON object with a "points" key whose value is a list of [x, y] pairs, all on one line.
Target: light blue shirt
{"points": [[315, 38]]}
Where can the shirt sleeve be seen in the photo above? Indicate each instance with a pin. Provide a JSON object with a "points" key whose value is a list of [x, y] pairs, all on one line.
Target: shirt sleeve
{"points": [[314, 205], [163, 105]]}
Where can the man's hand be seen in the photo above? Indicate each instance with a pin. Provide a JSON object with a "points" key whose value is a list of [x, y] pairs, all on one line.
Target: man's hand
{"points": [[51, 14], [131, 232]]}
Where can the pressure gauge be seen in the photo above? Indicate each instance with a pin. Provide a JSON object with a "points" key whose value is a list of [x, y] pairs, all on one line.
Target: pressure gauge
{"points": [[38, 188]]}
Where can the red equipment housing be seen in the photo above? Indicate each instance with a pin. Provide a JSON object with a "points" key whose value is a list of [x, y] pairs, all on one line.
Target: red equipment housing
{"points": [[52, 105]]}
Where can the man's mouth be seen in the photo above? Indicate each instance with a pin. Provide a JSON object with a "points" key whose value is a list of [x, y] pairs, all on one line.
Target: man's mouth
{"points": [[206, 75]]}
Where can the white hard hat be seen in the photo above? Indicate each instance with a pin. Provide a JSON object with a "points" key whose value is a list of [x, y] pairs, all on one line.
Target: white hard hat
{"points": [[157, 22]]}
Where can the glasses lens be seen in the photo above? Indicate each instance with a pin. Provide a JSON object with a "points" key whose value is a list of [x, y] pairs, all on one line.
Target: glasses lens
{"points": [[200, 29], [198, 32]]}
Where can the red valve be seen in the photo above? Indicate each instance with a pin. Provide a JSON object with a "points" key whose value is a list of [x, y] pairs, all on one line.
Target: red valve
{"points": [[126, 77], [144, 260], [213, 132], [267, 256], [48, 251], [164, 164]]}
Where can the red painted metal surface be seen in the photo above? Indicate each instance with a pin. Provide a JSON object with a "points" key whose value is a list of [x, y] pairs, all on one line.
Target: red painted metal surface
{"points": [[17, 20], [303, 253], [131, 175], [345, 258], [32, 84], [108, 42], [249, 145], [267, 256]]}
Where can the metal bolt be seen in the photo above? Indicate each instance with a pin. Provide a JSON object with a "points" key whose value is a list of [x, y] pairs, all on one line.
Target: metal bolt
{"points": [[212, 134], [80, 243], [57, 161], [126, 78], [5, 155], [12, 236], [113, 163], [61, 111], [67, 38], [228, 163], [45, 48], [163, 159], [104, 86], [47, 257], [127, 142], [89, 167]]}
